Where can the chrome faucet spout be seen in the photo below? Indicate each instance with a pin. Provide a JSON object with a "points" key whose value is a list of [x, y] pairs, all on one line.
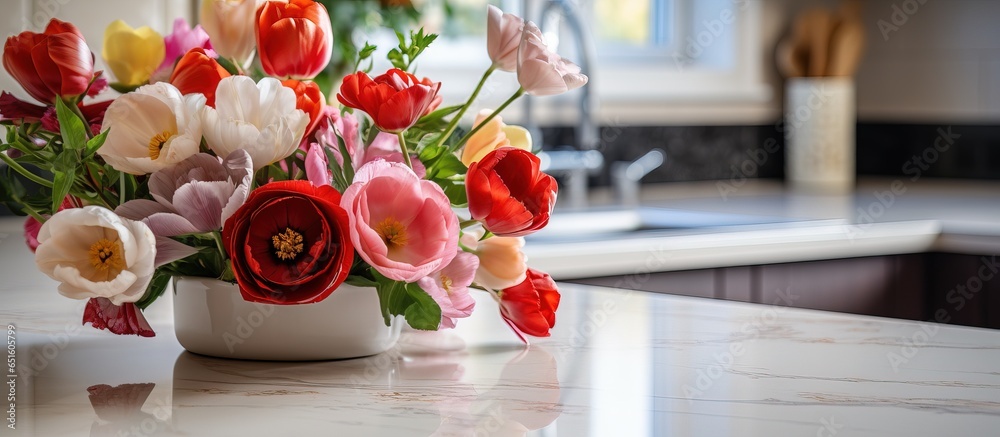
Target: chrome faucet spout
{"points": [[625, 176], [575, 166]]}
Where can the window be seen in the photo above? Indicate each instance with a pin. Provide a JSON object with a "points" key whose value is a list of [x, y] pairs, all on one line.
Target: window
{"points": [[651, 55]]}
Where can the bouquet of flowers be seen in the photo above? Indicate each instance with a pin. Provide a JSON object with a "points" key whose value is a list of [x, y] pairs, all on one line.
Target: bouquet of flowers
{"points": [[220, 158]]}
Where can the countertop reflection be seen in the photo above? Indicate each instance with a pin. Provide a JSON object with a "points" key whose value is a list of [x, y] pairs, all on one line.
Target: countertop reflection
{"points": [[619, 363]]}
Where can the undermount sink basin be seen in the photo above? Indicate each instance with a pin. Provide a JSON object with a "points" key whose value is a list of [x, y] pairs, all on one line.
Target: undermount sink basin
{"points": [[607, 223]]}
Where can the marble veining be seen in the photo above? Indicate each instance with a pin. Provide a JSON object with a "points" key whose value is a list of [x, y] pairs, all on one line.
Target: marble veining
{"points": [[619, 363]]}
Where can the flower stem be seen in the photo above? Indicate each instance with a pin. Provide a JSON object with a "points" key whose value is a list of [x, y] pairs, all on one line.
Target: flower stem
{"points": [[23, 171], [406, 152], [517, 94], [454, 121], [79, 114]]}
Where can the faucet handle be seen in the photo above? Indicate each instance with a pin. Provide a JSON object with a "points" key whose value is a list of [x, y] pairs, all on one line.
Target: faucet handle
{"points": [[625, 176]]}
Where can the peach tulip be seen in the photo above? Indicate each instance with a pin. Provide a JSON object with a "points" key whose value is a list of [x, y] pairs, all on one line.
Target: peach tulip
{"points": [[494, 135], [502, 263]]}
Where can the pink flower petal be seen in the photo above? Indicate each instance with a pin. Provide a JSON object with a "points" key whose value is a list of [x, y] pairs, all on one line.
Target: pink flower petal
{"points": [[202, 202], [168, 251]]}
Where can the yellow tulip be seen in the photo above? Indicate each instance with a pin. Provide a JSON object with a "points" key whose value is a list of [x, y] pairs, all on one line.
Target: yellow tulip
{"points": [[132, 54], [492, 136]]}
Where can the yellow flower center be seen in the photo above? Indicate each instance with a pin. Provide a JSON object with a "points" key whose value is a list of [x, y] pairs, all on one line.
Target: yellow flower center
{"points": [[446, 283], [393, 233], [107, 255], [287, 245], [156, 144]]}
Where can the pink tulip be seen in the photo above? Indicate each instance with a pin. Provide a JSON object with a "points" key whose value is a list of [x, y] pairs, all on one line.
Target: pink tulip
{"points": [[450, 288], [178, 43], [503, 35], [542, 72], [400, 225], [385, 146]]}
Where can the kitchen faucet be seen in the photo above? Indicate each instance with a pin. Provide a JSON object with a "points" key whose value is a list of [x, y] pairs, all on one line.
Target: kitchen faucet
{"points": [[573, 165]]}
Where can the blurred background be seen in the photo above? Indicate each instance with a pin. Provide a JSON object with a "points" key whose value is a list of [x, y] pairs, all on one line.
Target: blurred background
{"points": [[725, 148], [696, 78]]}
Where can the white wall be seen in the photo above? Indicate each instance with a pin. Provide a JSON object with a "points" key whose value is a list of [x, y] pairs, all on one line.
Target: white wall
{"points": [[91, 16], [942, 64]]}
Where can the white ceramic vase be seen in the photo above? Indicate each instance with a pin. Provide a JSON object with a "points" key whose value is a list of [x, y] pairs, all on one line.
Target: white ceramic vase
{"points": [[211, 318]]}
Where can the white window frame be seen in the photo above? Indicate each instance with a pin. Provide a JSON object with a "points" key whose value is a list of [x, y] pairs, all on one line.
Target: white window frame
{"points": [[631, 91]]}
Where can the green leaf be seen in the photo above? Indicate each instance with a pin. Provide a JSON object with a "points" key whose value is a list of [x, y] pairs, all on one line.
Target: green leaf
{"points": [[348, 166], [228, 65], [155, 289], [455, 190], [392, 296], [441, 113], [95, 143], [74, 130], [424, 313], [62, 182], [125, 89], [409, 300], [336, 171], [366, 51], [360, 281], [449, 165]]}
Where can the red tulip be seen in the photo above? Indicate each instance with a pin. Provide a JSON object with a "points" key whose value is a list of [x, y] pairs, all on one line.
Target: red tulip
{"points": [[530, 307], [56, 63], [309, 99], [289, 243], [394, 100], [196, 72], [508, 192], [294, 39]]}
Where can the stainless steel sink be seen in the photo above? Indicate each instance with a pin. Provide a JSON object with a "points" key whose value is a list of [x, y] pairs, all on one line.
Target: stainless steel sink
{"points": [[609, 223]]}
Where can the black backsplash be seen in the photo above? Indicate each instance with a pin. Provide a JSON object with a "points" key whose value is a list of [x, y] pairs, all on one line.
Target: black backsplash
{"points": [[696, 153]]}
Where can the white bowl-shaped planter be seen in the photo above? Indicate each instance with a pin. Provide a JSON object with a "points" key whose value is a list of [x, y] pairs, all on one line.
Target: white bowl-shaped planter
{"points": [[211, 318]]}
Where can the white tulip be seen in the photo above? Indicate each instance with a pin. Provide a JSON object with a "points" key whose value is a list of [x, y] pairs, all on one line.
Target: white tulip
{"points": [[95, 253], [230, 26], [153, 128], [260, 118]]}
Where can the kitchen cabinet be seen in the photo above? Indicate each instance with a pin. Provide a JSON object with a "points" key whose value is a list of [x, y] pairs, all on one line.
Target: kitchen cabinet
{"points": [[948, 288]]}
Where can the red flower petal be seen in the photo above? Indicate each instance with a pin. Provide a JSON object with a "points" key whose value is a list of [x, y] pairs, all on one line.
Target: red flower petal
{"points": [[122, 320], [318, 269], [530, 307], [508, 192]]}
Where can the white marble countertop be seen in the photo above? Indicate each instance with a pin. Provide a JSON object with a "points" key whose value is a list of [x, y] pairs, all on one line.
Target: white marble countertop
{"points": [[619, 363], [883, 217]]}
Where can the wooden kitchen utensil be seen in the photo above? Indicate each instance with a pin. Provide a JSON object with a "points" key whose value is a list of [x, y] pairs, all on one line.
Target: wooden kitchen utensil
{"points": [[846, 46]]}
